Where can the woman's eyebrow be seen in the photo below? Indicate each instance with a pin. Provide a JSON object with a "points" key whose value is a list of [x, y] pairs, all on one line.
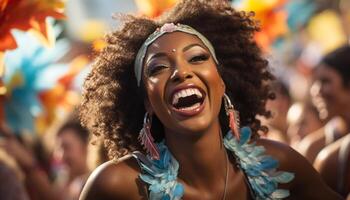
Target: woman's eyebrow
{"points": [[190, 46], [156, 55], [163, 54]]}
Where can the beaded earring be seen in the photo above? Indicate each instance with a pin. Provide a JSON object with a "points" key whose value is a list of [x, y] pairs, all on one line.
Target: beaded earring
{"points": [[233, 116], [146, 138]]}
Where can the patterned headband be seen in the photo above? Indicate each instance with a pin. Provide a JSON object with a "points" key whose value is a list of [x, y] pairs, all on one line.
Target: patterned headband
{"points": [[167, 28]]}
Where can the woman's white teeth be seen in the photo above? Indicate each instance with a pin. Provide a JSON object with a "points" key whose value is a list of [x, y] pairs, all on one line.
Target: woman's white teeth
{"points": [[185, 93]]}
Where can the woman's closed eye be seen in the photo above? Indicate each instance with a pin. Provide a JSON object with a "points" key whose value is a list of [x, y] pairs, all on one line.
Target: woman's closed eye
{"points": [[155, 69], [199, 58]]}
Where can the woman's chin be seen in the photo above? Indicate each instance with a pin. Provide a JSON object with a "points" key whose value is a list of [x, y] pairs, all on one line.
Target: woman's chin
{"points": [[194, 126]]}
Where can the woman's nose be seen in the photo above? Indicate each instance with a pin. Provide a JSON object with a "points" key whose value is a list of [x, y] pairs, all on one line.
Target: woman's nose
{"points": [[181, 73]]}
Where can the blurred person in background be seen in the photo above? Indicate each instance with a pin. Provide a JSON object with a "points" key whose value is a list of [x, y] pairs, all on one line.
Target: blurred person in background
{"points": [[69, 166], [71, 150], [333, 162], [303, 119], [332, 93], [279, 108], [11, 178], [314, 142], [11, 187]]}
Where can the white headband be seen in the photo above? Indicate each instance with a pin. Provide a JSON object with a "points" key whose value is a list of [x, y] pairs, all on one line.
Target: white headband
{"points": [[167, 28]]}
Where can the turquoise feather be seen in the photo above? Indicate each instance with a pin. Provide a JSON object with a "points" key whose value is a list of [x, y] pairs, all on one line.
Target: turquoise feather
{"points": [[258, 167], [161, 175]]}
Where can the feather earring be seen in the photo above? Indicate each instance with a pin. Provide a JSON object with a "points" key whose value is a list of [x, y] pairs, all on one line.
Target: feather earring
{"points": [[146, 138], [233, 116]]}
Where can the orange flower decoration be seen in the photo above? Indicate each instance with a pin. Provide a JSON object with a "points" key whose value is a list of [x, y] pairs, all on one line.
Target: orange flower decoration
{"points": [[272, 17], [26, 15]]}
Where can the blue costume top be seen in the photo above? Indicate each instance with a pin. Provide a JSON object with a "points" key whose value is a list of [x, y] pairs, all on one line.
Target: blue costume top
{"points": [[259, 169]]}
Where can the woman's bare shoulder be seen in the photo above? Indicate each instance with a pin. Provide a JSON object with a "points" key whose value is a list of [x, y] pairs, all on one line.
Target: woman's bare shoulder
{"points": [[328, 161], [115, 180], [307, 183], [312, 144], [283, 153]]}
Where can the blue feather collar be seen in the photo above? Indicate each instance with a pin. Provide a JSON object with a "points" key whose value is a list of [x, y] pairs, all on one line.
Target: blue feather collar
{"points": [[260, 170]]}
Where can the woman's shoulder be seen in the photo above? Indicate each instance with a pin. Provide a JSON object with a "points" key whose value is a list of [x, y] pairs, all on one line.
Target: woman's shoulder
{"points": [[115, 180], [329, 156], [282, 152], [290, 160], [307, 182], [312, 144], [333, 158]]}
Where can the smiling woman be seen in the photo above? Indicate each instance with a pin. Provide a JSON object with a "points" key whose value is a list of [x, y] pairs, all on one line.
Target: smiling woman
{"points": [[170, 82]]}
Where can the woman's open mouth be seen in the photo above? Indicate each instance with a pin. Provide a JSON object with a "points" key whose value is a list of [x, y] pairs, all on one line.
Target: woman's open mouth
{"points": [[188, 101]]}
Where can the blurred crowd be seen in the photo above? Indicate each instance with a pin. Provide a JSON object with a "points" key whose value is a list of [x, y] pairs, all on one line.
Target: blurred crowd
{"points": [[29, 170], [46, 154], [318, 127]]}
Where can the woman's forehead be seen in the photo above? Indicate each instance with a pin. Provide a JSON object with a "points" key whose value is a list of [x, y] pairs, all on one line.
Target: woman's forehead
{"points": [[175, 40]]}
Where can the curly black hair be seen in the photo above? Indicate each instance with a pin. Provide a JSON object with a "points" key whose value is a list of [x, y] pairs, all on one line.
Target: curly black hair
{"points": [[113, 105]]}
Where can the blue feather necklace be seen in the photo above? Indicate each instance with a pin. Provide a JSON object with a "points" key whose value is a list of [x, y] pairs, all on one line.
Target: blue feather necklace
{"points": [[260, 170]]}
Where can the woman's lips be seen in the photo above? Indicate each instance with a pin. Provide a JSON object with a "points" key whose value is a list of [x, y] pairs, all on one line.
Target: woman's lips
{"points": [[187, 90]]}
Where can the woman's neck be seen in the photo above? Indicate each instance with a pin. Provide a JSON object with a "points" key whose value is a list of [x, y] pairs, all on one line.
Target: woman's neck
{"points": [[202, 158]]}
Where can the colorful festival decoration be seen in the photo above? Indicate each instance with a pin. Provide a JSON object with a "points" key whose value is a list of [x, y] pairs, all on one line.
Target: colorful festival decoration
{"points": [[299, 13], [27, 15], [61, 99], [32, 87], [29, 71], [272, 18], [154, 8], [278, 18], [324, 25]]}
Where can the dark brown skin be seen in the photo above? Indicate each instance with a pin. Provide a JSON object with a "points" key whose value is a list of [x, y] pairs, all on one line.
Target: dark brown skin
{"points": [[120, 180], [194, 141]]}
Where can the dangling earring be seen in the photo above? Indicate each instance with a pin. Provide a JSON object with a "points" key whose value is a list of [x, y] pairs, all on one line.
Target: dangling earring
{"points": [[233, 117], [146, 138]]}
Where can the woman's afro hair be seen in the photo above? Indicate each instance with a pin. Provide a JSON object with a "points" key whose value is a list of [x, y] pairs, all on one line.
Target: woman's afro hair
{"points": [[113, 106]]}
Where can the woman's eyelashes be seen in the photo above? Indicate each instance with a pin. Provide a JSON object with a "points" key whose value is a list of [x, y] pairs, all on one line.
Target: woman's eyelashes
{"points": [[198, 58], [155, 69]]}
